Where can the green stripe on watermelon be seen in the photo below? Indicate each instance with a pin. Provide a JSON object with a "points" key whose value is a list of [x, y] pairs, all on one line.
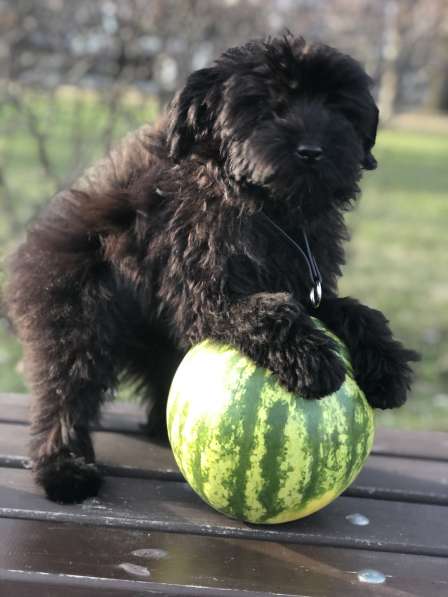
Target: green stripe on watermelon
{"points": [[256, 452]]}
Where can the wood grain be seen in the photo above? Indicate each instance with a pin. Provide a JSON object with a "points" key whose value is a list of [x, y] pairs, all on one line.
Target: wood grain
{"points": [[173, 507], [129, 416], [116, 558], [133, 455]]}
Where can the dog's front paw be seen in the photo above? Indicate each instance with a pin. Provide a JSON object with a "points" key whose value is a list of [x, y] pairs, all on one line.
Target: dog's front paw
{"points": [[385, 377], [315, 369], [67, 478], [390, 392], [323, 372]]}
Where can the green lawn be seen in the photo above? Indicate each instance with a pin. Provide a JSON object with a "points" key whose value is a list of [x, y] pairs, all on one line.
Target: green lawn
{"points": [[397, 258], [398, 261], [72, 127]]}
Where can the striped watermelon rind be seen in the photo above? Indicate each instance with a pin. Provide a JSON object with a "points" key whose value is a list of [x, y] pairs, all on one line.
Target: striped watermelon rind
{"points": [[256, 452]]}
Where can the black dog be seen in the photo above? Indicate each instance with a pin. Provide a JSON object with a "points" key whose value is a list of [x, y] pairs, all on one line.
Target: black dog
{"points": [[222, 222]]}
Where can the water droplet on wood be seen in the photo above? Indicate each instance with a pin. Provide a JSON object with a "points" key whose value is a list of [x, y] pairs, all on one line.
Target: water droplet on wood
{"points": [[358, 519], [155, 554], [371, 576], [134, 569]]}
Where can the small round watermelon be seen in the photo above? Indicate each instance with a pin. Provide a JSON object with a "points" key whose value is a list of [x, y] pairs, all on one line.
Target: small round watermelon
{"points": [[256, 452]]}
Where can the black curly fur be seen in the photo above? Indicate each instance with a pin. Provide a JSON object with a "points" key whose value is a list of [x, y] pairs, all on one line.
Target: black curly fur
{"points": [[162, 244]]}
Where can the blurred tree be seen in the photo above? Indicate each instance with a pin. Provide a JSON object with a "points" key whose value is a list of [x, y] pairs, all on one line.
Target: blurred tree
{"points": [[108, 46], [111, 47], [413, 60], [402, 43], [75, 75]]}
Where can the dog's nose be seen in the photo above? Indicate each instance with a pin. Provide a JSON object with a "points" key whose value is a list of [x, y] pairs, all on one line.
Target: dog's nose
{"points": [[309, 153]]}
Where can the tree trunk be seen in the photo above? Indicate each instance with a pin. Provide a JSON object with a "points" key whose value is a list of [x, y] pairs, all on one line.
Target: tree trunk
{"points": [[388, 89]]}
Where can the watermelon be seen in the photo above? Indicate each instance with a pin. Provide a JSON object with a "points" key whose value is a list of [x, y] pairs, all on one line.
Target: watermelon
{"points": [[256, 452]]}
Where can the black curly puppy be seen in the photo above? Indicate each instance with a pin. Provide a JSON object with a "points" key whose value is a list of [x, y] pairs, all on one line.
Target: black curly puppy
{"points": [[223, 221]]}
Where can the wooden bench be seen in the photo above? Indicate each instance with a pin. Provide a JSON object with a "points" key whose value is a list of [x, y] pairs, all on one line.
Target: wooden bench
{"points": [[148, 533]]}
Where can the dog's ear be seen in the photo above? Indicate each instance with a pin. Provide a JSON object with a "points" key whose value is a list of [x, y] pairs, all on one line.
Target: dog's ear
{"points": [[369, 162], [191, 111]]}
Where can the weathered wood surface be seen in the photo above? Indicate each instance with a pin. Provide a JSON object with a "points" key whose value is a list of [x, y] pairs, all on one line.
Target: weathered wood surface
{"points": [[119, 416], [156, 505], [133, 455], [118, 555], [148, 533]]}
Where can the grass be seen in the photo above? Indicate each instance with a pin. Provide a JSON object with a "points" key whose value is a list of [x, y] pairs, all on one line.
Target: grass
{"points": [[396, 260], [74, 127]]}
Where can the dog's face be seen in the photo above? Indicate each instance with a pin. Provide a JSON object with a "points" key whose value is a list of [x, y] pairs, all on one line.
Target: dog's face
{"points": [[295, 121]]}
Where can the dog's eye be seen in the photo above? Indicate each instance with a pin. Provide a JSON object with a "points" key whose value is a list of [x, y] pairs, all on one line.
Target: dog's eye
{"points": [[344, 108]]}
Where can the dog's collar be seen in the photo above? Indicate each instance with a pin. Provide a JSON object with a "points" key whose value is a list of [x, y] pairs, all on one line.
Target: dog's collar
{"points": [[313, 270]]}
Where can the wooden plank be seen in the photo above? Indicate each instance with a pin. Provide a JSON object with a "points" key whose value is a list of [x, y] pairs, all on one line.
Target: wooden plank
{"points": [[14, 407], [173, 507], [128, 416], [430, 445], [402, 479], [181, 564], [135, 456], [120, 453], [116, 416], [33, 584]]}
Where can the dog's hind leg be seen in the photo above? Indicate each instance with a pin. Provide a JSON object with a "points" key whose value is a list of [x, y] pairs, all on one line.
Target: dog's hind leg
{"points": [[63, 307]]}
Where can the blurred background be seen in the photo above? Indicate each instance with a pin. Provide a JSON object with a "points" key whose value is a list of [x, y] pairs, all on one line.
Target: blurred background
{"points": [[77, 75]]}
